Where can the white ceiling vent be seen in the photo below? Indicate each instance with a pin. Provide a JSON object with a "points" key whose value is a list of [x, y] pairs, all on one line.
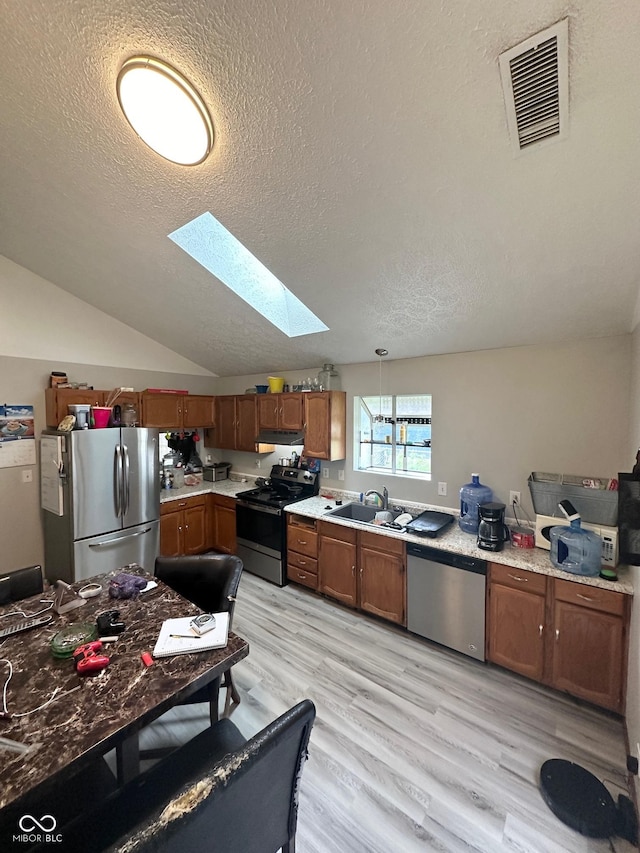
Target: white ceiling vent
{"points": [[535, 79]]}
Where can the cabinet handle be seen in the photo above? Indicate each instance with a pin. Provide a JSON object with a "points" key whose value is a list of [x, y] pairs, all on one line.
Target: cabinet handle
{"points": [[179, 529], [303, 562], [584, 597], [521, 580], [540, 628], [182, 504], [353, 570], [557, 634], [302, 541]]}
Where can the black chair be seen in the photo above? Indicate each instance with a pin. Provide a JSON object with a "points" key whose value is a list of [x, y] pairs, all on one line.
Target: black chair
{"points": [[210, 581], [195, 800], [20, 584]]}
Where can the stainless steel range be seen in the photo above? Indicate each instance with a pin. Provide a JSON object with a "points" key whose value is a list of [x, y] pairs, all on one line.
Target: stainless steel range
{"points": [[261, 522]]}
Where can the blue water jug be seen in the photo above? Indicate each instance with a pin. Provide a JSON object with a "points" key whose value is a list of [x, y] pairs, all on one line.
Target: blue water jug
{"points": [[471, 496], [576, 550]]}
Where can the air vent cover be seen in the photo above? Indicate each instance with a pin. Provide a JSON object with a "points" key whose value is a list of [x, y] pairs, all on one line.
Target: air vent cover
{"points": [[535, 80]]}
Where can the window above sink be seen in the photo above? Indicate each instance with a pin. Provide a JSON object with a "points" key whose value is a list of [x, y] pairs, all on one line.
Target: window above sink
{"points": [[392, 435]]}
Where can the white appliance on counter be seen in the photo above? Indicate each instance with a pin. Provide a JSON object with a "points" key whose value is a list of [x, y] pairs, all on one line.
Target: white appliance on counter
{"points": [[609, 536], [101, 499]]}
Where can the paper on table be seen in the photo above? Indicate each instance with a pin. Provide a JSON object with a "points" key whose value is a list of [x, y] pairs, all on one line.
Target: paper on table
{"points": [[177, 638]]}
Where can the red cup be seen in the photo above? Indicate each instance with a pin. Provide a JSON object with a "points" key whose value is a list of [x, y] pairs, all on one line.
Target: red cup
{"points": [[101, 415]]}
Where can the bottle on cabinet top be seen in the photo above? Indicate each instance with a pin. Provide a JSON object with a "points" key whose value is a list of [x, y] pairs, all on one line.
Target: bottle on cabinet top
{"points": [[329, 379]]}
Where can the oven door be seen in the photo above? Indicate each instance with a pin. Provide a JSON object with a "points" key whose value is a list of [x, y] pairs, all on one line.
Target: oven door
{"points": [[260, 540]]}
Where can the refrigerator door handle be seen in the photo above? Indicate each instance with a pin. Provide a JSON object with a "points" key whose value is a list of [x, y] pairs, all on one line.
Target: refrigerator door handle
{"points": [[106, 542], [117, 479], [125, 479]]}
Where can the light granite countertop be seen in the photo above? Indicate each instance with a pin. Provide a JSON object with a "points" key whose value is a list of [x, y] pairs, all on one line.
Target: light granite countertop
{"points": [[453, 539]]}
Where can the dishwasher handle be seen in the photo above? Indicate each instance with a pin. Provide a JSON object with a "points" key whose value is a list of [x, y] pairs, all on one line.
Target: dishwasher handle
{"points": [[448, 558]]}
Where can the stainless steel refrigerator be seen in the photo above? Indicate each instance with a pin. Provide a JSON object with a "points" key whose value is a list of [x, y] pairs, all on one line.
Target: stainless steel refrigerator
{"points": [[100, 493]]}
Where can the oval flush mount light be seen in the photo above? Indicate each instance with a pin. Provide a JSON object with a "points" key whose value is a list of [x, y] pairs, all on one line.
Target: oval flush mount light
{"points": [[165, 110]]}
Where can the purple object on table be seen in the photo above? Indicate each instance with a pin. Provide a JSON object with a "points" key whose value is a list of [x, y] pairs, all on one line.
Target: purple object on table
{"points": [[125, 585]]}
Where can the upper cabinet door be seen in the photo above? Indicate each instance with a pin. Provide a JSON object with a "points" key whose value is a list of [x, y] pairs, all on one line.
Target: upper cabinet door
{"points": [[246, 422], [225, 435], [268, 410], [162, 410], [198, 411], [291, 410]]}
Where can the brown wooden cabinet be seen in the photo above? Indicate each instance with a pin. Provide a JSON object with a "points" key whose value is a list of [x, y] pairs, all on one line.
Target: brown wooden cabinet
{"points": [[280, 411], [57, 400], [337, 559], [302, 550], [325, 424], [236, 424], [222, 523], [589, 643], [363, 569], [568, 635], [516, 617], [382, 576], [183, 527], [177, 411]]}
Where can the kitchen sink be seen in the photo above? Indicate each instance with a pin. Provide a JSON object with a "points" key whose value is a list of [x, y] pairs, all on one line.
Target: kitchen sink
{"points": [[361, 513]]}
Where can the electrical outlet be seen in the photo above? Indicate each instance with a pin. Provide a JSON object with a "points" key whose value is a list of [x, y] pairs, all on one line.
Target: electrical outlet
{"points": [[257, 463], [27, 476], [325, 473], [341, 474], [514, 498], [208, 458], [442, 488]]}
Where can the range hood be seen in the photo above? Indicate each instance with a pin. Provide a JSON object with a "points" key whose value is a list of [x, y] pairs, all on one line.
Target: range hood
{"points": [[289, 437]]}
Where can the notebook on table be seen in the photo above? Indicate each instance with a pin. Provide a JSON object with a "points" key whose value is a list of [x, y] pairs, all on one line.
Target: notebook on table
{"points": [[177, 638]]}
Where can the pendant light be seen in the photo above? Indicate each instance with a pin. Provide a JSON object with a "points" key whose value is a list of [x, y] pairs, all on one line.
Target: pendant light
{"points": [[380, 352], [165, 110]]}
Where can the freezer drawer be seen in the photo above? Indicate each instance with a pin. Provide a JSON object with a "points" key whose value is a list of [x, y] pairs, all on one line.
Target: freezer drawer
{"points": [[111, 551]]}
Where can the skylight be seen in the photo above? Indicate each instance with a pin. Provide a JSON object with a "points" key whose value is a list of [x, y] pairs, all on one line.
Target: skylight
{"points": [[217, 250]]}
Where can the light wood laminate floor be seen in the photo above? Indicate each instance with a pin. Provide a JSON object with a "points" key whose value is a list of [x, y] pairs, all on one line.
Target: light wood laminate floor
{"points": [[414, 748]]}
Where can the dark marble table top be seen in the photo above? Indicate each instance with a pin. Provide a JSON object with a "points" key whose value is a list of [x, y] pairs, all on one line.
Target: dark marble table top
{"points": [[106, 707]]}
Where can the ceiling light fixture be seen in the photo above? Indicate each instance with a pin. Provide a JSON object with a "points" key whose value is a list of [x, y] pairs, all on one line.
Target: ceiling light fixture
{"points": [[380, 352], [165, 110]]}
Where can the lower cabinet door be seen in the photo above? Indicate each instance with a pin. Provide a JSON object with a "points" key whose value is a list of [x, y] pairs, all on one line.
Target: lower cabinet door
{"points": [[337, 570], [588, 651], [171, 534], [382, 584], [517, 630], [195, 530]]}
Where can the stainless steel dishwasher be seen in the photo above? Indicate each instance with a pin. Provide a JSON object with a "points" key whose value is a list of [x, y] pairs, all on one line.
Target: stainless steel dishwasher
{"points": [[446, 598]]}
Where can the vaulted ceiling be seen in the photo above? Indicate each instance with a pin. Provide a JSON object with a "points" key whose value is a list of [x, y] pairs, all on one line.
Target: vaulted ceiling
{"points": [[362, 154]]}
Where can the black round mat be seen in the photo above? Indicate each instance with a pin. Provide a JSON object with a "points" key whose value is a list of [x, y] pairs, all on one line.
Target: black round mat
{"points": [[577, 798]]}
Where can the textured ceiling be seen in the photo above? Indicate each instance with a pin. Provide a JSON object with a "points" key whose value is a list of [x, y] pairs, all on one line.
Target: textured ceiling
{"points": [[361, 153]]}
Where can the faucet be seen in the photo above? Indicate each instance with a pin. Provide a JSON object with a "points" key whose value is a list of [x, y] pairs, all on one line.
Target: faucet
{"points": [[384, 497]]}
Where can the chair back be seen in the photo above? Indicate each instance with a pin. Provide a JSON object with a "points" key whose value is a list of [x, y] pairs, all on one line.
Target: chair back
{"points": [[244, 802], [210, 581], [20, 584]]}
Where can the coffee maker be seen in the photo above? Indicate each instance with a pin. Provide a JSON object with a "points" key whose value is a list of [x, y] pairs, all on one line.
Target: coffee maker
{"points": [[492, 531]]}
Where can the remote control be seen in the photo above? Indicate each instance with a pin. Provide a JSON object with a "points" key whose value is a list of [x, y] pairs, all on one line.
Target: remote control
{"points": [[24, 625]]}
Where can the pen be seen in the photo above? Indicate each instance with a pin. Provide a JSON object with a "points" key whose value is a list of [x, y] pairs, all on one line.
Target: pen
{"points": [[184, 637]]}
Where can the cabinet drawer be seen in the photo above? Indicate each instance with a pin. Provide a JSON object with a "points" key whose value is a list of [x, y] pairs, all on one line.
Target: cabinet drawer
{"points": [[302, 540], [518, 578], [302, 521], [590, 596], [379, 542], [182, 503], [302, 569]]}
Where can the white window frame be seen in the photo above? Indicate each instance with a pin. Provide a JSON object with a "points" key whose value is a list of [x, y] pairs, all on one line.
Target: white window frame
{"points": [[365, 440]]}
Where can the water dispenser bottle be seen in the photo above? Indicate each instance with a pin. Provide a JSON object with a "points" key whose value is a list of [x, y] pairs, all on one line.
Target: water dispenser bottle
{"points": [[471, 496], [574, 549]]}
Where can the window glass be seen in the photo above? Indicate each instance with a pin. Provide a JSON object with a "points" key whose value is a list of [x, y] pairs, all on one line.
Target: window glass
{"points": [[392, 435]]}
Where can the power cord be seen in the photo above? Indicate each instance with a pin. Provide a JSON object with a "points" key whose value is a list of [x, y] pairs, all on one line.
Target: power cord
{"points": [[5, 713], [22, 613]]}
